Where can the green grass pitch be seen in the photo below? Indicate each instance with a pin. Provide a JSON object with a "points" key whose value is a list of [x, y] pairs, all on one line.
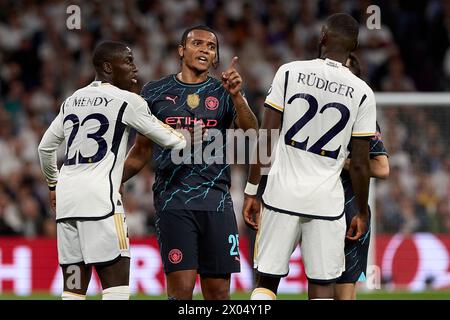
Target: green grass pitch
{"points": [[377, 295]]}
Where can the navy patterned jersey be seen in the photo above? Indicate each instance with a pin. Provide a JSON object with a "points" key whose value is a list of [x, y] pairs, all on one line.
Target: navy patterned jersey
{"points": [[196, 186], [376, 148]]}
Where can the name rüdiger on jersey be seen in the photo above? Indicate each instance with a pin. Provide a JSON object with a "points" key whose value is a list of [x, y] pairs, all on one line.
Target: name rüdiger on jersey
{"points": [[313, 81]]}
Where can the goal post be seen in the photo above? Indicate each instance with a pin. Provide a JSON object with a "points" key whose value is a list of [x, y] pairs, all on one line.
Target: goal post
{"points": [[413, 99], [407, 101]]}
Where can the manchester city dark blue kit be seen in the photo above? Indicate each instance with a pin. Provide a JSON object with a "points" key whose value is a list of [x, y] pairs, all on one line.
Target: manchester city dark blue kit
{"points": [[196, 225], [356, 252]]}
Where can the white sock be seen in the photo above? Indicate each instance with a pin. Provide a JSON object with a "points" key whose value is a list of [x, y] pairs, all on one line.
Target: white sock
{"points": [[67, 295], [117, 293], [263, 294]]}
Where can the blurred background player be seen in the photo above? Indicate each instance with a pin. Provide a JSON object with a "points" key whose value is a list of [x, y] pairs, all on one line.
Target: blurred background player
{"points": [[356, 251], [195, 221], [95, 122], [319, 105]]}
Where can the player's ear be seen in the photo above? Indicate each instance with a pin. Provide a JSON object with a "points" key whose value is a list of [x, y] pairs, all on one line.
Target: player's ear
{"points": [[323, 36], [181, 51], [215, 63], [356, 45], [107, 67]]}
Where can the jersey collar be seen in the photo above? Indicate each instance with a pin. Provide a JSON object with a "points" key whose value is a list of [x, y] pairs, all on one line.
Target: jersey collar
{"points": [[190, 84], [333, 63], [98, 83]]}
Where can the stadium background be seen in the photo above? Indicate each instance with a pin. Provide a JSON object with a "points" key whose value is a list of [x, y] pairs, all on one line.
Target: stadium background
{"points": [[42, 61]]}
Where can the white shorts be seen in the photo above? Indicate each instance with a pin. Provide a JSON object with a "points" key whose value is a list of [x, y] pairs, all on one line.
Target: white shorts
{"points": [[321, 245], [92, 242]]}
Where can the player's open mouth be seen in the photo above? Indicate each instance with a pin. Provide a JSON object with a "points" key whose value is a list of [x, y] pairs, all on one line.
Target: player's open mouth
{"points": [[202, 60], [134, 80]]}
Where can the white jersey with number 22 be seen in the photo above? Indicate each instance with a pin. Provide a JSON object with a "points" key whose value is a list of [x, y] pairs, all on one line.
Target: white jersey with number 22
{"points": [[323, 105]]}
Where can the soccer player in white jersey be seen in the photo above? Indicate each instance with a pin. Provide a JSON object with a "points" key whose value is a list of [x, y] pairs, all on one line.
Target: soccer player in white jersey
{"points": [[318, 105], [95, 122]]}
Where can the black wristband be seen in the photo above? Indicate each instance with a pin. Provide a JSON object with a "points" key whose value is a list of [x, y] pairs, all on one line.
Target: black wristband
{"points": [[52, 188]]}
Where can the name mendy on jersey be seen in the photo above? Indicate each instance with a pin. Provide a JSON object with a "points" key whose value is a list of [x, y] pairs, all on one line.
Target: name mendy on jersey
{"points": [[313, 81], [88, 101]]}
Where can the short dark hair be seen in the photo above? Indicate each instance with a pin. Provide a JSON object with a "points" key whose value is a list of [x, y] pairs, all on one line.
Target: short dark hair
{"points": [[105, 51], [345, 27], [201, 27]]}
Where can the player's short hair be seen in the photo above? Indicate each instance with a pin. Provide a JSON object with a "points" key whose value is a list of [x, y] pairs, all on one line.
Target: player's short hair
{"points": [[201, 27], [345, 27], [105, 51]]}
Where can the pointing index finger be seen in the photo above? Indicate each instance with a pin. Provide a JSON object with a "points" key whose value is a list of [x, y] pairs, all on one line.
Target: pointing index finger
{"points": [[234, 62]]}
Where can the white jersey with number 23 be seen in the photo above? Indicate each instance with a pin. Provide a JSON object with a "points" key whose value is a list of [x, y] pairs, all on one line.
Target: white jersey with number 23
{"points": [[95, 122]]}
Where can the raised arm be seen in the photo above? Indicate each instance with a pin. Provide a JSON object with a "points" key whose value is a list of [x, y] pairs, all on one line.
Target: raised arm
{"points": [[232, 81], [245, 118]]}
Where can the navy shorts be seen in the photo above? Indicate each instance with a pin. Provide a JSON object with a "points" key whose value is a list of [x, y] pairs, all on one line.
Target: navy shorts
{"points": [[207, 241], [356, 253]]}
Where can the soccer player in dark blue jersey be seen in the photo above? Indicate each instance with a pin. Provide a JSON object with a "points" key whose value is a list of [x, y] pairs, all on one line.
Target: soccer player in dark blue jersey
{"points": [[356, 251], [196, 225]]}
